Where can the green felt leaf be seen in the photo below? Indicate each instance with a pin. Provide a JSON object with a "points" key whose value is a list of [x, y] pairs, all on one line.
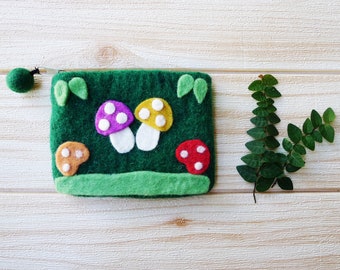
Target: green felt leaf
{"points": [[257, 133], [259, 96], [328, 116], [268, 79], [256, 86], [260, 112], [285, 183], [309, 142], [259, 121], [256, 147], [300, 149], [271, 142], [291, 168], [307, 126], [272, 92], [316, 119], [271, 170], [252, 160], [272, 130], [287, 145], [294, 133], [247, 173], [263, 184], [200, 89], [317, 136], [184, 85], [296, 160], [61, 92], [327, 131], [273, 118], [78, 86]]}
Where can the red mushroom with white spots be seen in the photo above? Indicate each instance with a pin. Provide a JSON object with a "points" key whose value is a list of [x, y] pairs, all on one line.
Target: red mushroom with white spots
{"points": [[195, 155], [113, 119]]}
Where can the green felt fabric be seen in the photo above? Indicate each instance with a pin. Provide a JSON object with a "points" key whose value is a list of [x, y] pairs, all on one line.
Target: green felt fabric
{"points": [[76, 121], [20, 80], [142, 183]]}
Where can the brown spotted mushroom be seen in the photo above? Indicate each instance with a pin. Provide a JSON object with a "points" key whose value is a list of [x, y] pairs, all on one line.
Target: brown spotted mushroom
{"points": [[195, 155], [69, 156], [156, 117]]}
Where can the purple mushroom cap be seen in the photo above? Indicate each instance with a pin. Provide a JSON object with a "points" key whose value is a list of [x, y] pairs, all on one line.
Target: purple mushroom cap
{"points": [[113, 116]]}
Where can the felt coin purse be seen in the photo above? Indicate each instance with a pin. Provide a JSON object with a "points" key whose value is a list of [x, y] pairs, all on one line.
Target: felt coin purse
{"points": [[132, 133]]}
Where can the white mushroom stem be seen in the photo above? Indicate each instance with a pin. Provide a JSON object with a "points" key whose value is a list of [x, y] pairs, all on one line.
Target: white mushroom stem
{"points": [[123, 141], [147, 137]]}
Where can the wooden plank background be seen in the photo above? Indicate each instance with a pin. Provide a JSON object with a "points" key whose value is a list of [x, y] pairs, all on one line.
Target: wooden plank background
{"points": [[234, 41]]}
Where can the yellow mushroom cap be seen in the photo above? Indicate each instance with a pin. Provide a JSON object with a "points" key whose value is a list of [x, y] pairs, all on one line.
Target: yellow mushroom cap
{"points": [[156, 113]]}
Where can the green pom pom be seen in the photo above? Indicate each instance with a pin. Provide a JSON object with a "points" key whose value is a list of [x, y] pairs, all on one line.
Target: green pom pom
{"points": [[20, 80]]}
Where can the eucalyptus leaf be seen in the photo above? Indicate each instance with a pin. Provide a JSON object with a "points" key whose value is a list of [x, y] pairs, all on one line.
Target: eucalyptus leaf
{"points": [[268, 79], [285, 183], [260, 112], [271, 142], [259, 96], [259, 121], [296, 160], [273, 118], [300, 149], [272, 92], [257, 133], [252, 160], [287, 145], [265, 103], [271, 170], [247, 173], [316, 119], [309, 142], [256, 86], [328, 116], [307, 126], [256, 147], [272, 130], [271, 109], [272, 157], [317, 136], [291, 168], [294, 133], [263, 184], [327, 131]]}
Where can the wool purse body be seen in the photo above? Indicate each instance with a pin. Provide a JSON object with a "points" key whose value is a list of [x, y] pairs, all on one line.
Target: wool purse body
{"points": [[133, 133]]}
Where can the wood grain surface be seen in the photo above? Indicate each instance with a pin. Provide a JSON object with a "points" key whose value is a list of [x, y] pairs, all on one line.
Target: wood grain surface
{"points": [[234, 41]]}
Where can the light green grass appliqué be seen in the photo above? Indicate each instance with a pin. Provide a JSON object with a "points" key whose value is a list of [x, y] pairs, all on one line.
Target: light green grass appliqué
{"points": [[139, 183]]}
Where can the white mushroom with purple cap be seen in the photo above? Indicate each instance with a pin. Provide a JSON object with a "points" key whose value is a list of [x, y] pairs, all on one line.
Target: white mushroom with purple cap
{"points": [[156, 116], [113, 119]]}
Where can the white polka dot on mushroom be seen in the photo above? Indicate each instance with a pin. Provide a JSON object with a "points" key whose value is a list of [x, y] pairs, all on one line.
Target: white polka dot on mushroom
{"points": [[144, 113], [121, 118], [198, 166], [109, 108], [160, 120], [79, 154], [200, 149], [104, 124], [66, 167], [184, 154], [65, 153], [157, 105]]}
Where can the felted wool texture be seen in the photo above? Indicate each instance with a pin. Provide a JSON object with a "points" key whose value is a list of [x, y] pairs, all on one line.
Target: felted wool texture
{"points": [[20, 80], [78, 87], [76, 121], [143, 184]]}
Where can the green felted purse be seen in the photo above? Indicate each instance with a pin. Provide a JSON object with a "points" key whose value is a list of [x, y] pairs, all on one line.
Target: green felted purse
{"points": [[131, 133]]}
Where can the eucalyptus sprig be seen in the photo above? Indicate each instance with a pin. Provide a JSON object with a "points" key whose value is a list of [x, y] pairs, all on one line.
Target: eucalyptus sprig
{"points": [[264, 166]]}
